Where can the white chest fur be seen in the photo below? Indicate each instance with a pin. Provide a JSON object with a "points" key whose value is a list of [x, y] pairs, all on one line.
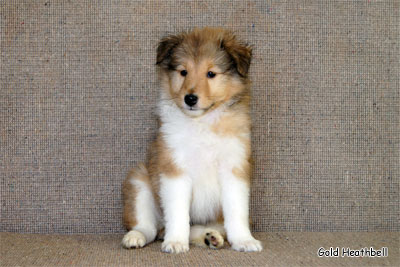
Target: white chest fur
{"points": [[200, 153]]}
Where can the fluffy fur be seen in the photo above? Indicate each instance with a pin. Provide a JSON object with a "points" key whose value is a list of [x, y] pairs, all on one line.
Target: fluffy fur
{"points": [[195, 186]]}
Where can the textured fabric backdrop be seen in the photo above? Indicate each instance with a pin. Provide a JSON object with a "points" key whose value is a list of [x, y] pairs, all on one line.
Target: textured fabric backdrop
{"points": [[78, 89]]}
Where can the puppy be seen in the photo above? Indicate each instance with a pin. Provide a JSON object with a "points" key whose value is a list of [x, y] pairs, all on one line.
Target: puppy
{"points": [[195, 185]]}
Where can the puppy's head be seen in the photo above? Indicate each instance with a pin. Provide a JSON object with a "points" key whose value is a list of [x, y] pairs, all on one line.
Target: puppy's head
{"points": [[203, 69]]}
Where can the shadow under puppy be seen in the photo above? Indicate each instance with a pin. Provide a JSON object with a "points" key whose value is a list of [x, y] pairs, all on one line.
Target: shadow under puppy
{"points": [[196, 182]]}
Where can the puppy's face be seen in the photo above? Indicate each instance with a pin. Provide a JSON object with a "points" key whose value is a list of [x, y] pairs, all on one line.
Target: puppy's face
{"points": [[203, 69]]}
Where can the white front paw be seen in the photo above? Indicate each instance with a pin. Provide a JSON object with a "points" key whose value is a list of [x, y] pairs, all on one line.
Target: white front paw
{"points": [[247, 245], [174, 247], [134, 239]]}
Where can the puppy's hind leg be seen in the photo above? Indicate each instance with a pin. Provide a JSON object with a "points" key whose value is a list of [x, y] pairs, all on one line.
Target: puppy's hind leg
{"points": [[141, 215], [209, 236]]}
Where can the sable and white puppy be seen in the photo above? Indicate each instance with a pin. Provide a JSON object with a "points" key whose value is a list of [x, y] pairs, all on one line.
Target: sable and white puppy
{"points": [[196, 182]]}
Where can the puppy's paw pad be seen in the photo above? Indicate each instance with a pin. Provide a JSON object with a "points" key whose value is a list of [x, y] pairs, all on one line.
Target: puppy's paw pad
{"points": [[174, 247], [250, 245], [134, 239], [213, 239]]}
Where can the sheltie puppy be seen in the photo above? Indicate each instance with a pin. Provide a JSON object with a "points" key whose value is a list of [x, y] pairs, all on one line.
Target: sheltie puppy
{"points": [[195, 185]]}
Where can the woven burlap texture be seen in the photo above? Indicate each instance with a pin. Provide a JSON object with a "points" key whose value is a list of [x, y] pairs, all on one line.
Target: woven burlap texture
{"points": [[79, 88]]}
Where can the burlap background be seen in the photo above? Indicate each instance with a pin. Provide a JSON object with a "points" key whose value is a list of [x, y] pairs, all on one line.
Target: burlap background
{"points": [[78, 90]]}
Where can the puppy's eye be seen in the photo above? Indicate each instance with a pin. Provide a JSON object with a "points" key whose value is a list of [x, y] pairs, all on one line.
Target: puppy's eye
{"points": [[184, 73], [211, 74]]}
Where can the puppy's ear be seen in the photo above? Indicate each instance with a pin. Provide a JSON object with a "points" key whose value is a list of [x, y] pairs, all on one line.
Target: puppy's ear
{"points": [[239, 53], [165, 49]]}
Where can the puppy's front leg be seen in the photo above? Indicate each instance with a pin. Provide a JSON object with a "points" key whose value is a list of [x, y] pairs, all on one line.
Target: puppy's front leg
{"points": [[235, 205], [175, 194]]}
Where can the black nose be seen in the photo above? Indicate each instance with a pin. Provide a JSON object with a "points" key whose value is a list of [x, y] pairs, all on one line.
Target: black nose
{"points": [[191, 100]]}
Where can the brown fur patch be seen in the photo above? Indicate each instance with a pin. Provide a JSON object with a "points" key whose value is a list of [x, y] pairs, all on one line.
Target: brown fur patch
{"points": [[232, 124], [129, 193], [220, 217], [243, 172], [161, 161]]}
